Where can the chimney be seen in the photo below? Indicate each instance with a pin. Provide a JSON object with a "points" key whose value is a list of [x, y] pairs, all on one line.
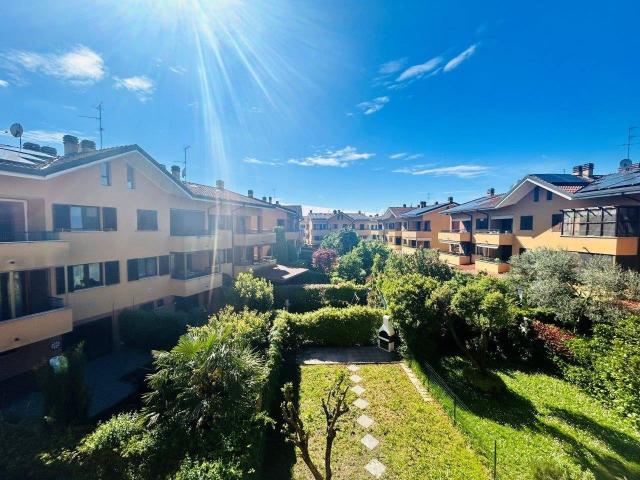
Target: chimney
{"points": [[270, 199], [310, 211], [175, 171], [70, 144], [435, 203], [423, 203], [264, 199], [450, 199], [31, 146], [587, 170], [335, 211], [277, 202], [577, 171], [491, 192], [220, 184], [250, 193], [359, 212], [49, 151], [404, 205], [87, 146]]}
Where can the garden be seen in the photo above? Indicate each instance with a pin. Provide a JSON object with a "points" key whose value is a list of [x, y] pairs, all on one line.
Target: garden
{"points": [[534, 375]]}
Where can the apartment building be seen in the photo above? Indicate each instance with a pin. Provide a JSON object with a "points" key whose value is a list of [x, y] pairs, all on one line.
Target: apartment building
{"points": [[579, 212], [318, 225], [90, 233], [420, 226], [391, 221]]}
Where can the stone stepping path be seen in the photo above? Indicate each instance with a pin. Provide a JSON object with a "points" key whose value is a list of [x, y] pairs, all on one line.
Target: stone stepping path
{"points": [[364, 421], [358, 390], [416, 383], [369, 441], [375, 468]]}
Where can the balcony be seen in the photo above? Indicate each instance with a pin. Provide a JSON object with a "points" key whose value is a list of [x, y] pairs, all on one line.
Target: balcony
{"points": [[493, 266], [493, 237], [248, 238], [29, 250], [194, 283], [455, 259], [417, 235], [454, 236], [54, 319], [598, 245], [192, 241], [256, 265]]}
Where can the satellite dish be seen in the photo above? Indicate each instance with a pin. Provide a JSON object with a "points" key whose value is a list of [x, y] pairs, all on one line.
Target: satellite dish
{"points": [[16, 130], [625, 163]]}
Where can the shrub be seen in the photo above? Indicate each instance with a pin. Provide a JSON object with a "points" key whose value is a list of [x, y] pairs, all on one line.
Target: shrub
{"points": [[407, 297], [336, 327], [251, 292], [554, 339], [350, 268], [65, 394], [306, 298], [248, 327], [191, 469], [149, 330], [324, 259], [423, 261]]}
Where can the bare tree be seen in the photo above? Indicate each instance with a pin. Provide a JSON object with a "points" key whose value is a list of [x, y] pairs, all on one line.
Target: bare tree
{"points": [[334, 406]]}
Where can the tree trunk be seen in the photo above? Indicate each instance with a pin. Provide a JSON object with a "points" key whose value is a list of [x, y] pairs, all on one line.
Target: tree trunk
{"points": [[327, 455]]}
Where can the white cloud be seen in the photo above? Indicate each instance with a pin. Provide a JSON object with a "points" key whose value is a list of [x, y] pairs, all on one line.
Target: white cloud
{"points": [[332, 158], [374, 105], [80, 65], [255, 161], [140, 85], [415, 156], [417, 71], [4, 83], [178, 70], [456, 61], [462, 171], [393, 66], [397, 156]]}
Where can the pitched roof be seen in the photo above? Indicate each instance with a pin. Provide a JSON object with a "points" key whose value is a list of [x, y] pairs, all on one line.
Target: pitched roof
{"points": [[358, 216], [482, 203], [416, 212], [618, 183], [215, 193], [320, 215]]}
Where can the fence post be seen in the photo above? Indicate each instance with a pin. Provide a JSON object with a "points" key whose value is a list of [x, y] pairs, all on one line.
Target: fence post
{"points": [[495, 458], [454, 410]]}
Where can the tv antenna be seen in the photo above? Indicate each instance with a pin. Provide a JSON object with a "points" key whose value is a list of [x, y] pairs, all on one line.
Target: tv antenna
{"points": [[99, 118], [184, 169], [630, 137], [17, 131]]}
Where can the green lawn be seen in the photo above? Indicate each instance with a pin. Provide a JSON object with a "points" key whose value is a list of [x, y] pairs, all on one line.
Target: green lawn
{"points": [[417, 438], [544, 418]]}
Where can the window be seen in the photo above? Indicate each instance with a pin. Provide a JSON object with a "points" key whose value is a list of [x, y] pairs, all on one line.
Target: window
{"points": [[591, 222], [84, 276], [131, 177], [186, 222], [526, 222], [105, 174], [60, 283], [280, 222], [138, 268], [482, 223], [362, 226], [536, 194], [109, 219], [219, 222], [556, 222], [163, 265], [427, 226], [112, 272], [549, 195], [147, 220]]}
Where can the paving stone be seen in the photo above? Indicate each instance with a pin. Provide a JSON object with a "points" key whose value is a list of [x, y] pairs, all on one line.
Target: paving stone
{"points": [[365, 421], [353, 368], [361, 403], [375, 468], [369, 441], [358, 390], [416, 383], [355, 378]]}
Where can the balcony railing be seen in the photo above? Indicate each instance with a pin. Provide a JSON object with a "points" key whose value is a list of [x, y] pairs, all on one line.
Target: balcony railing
{"points": [[494, 231], [192, 233], [43, 305], [39, 236], [457, 230], [482, 258], [256, 263]]}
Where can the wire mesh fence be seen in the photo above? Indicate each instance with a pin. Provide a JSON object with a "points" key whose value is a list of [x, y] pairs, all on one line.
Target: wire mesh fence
{"points": [[462, 416]]}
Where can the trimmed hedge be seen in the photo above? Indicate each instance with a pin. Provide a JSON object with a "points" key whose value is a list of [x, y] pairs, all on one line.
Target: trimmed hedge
{"points": [[149, 330], [335, 327], [306, 298], [310, 276]]}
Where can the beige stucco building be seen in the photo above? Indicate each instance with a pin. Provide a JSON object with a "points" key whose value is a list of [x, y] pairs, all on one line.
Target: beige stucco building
{"points": [[319, 225], [88, 234], [580, 212]]}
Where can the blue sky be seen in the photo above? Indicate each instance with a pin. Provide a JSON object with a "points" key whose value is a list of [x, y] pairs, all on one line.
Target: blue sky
{"points": [[339, 104]]}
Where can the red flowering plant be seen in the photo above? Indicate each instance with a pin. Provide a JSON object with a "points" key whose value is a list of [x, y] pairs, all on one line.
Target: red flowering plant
{"points": [[324, 259], [554, 339]]}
